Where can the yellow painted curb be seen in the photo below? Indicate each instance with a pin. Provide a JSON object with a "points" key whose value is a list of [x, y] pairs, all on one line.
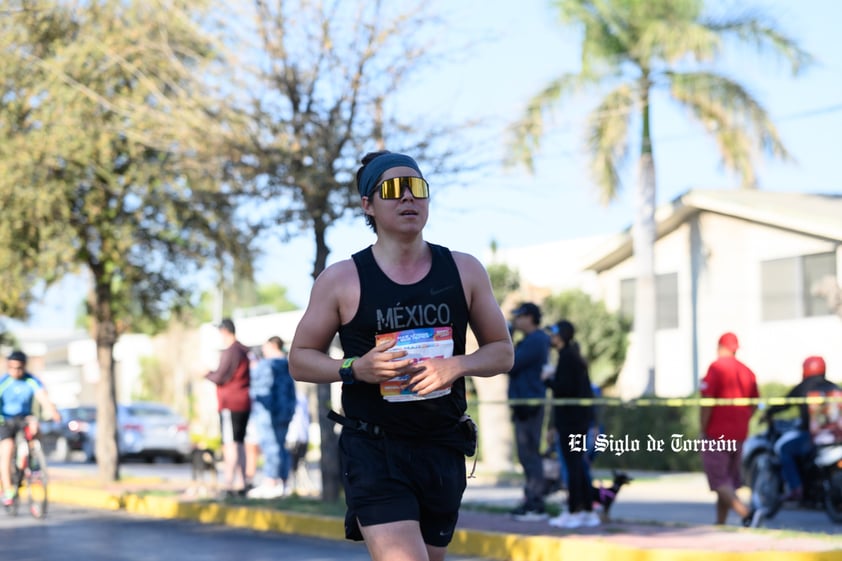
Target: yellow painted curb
{"points": [[477, 543], [512, 547], [85, 496]]}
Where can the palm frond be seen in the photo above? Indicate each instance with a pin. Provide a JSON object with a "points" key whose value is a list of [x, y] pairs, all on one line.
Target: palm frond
{"points": [[639, 32], [672, 40], [608, 139], [526, 133], [760, 30], [740, 125], [606, 38]]}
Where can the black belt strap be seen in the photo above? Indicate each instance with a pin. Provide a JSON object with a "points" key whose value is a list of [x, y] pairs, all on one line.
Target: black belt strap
{"points": [[376, 430], [355, 424]]}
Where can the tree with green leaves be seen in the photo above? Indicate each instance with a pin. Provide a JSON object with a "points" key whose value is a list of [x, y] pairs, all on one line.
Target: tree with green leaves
{"points": [[106, 167], [317, 90], [504, 280], [631, 50], [7, 338]]}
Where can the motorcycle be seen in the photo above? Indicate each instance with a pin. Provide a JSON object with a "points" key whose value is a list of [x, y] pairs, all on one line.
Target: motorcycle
{"points": [[821, 472]]}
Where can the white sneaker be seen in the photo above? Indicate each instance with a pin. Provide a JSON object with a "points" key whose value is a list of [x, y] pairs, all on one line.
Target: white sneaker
{"points": [[276, 491], [582, 519], [256, 492], [568, 520], [560, 521], [265, 491], [576, 520], [591, 520]]}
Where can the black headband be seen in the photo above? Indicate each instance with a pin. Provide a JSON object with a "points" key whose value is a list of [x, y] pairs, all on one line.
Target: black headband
{"points": [[378, 166]]}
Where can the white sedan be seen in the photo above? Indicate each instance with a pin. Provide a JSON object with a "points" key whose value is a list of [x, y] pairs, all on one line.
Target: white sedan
{"points": [[148, 430]]}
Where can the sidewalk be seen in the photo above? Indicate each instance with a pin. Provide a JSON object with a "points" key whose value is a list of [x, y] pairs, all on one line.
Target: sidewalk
{"points": [[485, 530]]}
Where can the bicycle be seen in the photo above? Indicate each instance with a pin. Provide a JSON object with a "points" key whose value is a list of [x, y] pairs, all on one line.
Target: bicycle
{"points": [[29, 471]]}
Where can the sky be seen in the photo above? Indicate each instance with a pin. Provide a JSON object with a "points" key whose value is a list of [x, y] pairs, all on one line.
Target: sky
{"points": [[520, 48]]}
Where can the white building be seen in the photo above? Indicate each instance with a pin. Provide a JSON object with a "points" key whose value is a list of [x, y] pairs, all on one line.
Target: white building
{"points": [[751, 262], [556, 265], [48, 360]]}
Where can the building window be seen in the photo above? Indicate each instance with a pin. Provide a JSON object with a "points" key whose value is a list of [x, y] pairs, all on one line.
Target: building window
{"points": [[666, 296], [789, 286]]}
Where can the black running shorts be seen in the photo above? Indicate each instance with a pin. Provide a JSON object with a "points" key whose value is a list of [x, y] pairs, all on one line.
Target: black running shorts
{"points": [[389, 480]]}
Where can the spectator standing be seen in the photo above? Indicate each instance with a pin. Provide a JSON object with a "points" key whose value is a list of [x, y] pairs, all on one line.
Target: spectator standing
{"points": [[234, 404], [272, 406], [573, 423], [531, 354], [401, 308], [727, 377]]}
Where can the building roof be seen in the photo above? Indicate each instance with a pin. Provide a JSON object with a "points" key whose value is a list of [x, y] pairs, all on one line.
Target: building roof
{"points": [[814, 214], [556, 264], [49, 343]]}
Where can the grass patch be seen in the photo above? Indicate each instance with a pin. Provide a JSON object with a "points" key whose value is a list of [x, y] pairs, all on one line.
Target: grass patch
{"points": [[156, 493], [294, 503]]}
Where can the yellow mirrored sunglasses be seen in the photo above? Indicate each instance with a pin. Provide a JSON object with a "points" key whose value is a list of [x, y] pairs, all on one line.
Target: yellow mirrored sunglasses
{"points": [[393, 188]]}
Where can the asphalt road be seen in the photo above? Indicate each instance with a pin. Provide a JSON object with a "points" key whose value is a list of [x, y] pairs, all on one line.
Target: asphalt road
{"points": [[77, 534]]}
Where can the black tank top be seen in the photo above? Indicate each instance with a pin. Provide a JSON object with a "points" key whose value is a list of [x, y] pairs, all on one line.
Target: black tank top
{"points": [[434, 308]]}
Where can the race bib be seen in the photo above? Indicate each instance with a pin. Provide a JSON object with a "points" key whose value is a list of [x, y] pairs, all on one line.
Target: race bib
{"points": [[420, 344]]}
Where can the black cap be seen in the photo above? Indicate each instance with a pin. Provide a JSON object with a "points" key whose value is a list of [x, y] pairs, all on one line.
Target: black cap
{"points": [[528, 309], [227, 325], [19, 356]]}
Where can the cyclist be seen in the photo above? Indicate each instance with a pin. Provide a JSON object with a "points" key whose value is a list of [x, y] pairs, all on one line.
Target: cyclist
{"points": [[17, 389]]}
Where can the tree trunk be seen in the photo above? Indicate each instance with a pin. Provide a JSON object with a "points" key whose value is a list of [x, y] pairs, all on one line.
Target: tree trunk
{"points": [[105, 334], [496, 444], [643, 243], [495, 434], [329, 442]]}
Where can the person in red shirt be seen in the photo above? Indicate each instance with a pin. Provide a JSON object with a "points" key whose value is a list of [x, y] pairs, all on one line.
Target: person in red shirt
{"points": [[232, 379], [727, 377]]}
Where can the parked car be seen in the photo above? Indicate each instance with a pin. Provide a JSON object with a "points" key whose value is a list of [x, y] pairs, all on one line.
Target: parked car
{"points": [[148, 430], [72, 434]]}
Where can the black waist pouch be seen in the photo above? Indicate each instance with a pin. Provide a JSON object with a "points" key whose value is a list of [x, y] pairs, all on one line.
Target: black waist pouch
{"points": [[462, 437], [469, 432]]}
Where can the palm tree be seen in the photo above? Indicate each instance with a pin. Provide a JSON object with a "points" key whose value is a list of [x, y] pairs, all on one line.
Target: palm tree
{"points": [[632, 49]]}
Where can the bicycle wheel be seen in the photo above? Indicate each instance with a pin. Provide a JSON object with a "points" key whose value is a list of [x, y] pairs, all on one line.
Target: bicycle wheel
{"points": [[36, 481]]}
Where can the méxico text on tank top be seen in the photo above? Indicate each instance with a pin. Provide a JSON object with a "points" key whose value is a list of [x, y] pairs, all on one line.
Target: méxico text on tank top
{"points": [[428, 319]]}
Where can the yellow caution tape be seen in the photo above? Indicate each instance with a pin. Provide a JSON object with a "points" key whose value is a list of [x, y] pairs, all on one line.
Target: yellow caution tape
{"points": [[669, 401]]}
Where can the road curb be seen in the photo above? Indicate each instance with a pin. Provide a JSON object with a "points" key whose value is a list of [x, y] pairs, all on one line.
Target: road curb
{"points": [[501, 546], [512, 547]]}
